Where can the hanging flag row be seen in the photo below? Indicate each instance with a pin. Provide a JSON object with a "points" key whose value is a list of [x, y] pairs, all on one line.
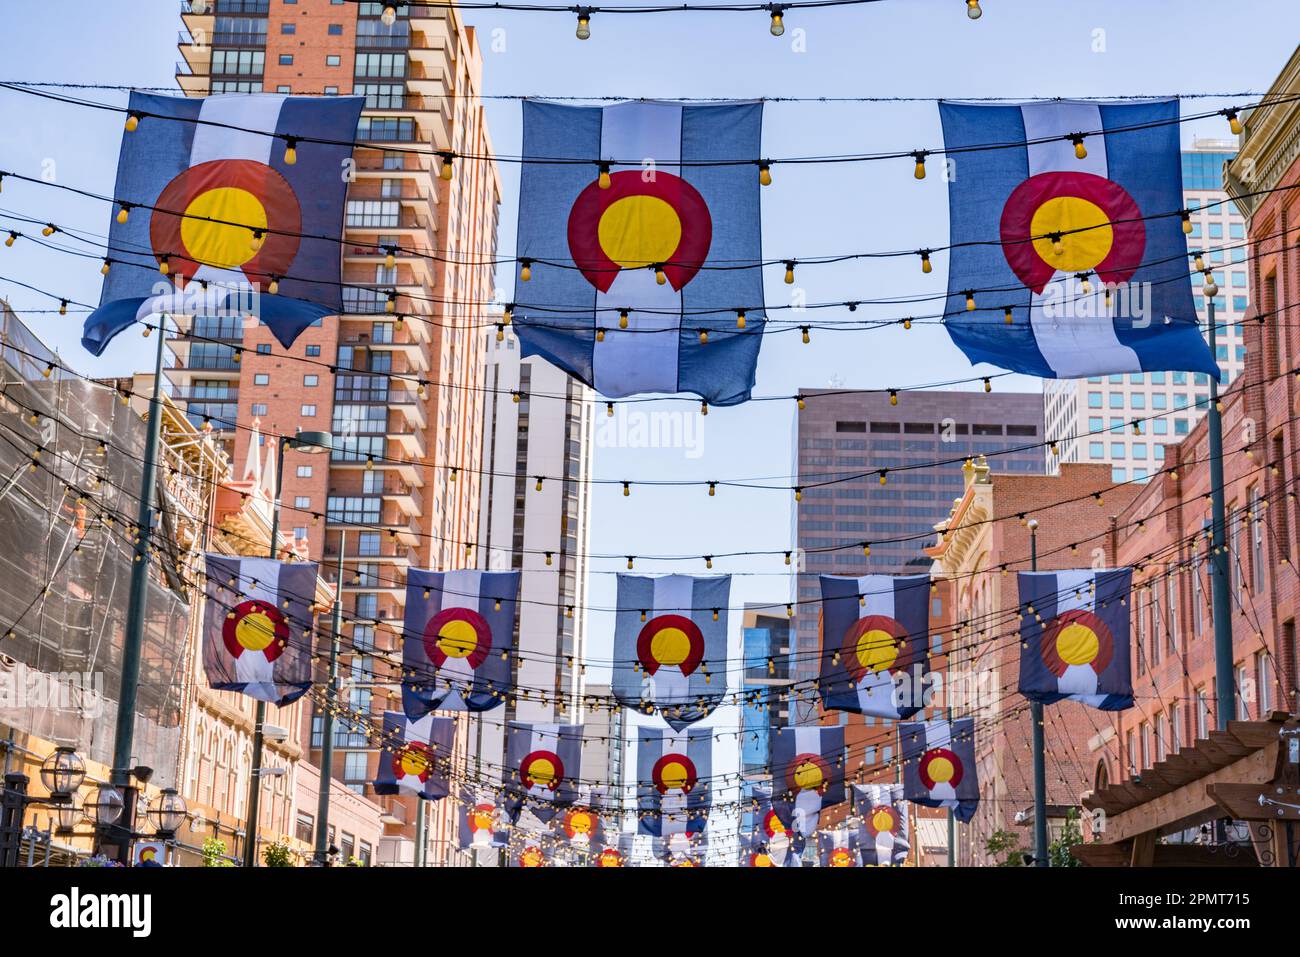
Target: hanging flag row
{"points": [[1067, 256]]}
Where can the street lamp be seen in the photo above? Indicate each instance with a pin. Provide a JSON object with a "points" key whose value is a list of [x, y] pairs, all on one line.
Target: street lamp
{"points": [[104, 805], [62, 773], [67, 816], [310, 443], [169, 814]]}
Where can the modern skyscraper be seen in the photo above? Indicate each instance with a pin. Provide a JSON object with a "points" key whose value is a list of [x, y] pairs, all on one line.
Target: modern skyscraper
{"points": [[765, 638], [399, 391], [1111, 403], [847, 437], [533, 518]]}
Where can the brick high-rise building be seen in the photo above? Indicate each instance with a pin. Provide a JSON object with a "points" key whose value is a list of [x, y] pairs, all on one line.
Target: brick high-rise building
{"points": [[396, 441], [844, 434]]}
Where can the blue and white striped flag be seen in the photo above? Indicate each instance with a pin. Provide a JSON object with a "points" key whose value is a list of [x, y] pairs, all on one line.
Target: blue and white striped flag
{"points": [[673, 771], [416, 756], [807, 774], [1074, 637], [939, 765], [886, 832], [670, 654], [212, 199], [626, 270], [456, 637], [1086, 252], [876, 628], [257, 635], [543, 768]]}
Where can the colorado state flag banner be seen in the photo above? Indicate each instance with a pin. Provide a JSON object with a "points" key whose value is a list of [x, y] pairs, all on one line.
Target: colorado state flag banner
{"points": [[885, 839], [672, 772], [807, 774], [581, 825], [527, 850], [839, 847], [258, 627], [1093, 285], [482, 821], [939, 765], [458, 626], [670, 655], [1074, 644], [416, 756], [650, 257], [618, 854], [543, 765], [682, 850], [876, 631], [211, 199], [771, 843]]}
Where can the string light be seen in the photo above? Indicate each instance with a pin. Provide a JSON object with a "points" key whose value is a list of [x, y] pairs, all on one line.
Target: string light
{"points": [[1234, 123], [973, 9], [893, 397], [1186, 216], [777, 27], [600, 333], [764, 173], [740, 318], [807, 338], [926, 267], [133, 118], [290, 150], [1080, 150], [11, 238], [446, 172], [970, 300], [789, 272], [1008, 316], [661, 277], [602, 179], [919, 171], [583, 32]]}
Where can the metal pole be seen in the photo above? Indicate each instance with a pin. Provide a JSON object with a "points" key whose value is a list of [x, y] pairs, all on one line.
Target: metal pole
{"points": [[952, 818], [1036, 716], [259, 713], [133, 642], [419, 831], [1222, 601], [327, 719]]}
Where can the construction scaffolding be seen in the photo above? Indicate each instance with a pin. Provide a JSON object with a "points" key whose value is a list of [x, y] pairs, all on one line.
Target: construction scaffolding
{"points": [[70, 454]]}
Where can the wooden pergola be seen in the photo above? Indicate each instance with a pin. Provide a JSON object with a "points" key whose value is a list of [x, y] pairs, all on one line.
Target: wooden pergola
{"points": [[1248, 773]]}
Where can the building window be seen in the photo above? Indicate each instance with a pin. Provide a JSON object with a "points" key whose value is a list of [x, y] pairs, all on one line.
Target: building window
{"points": [[308, 411], [259, 409], [1264, 683], [302, 501], [304, 471], [264, 348], [261, 378], [332, 59], [305, 828], [1255, 515], [313, 350], [1202, 714], [286, 59], [310, 381]]}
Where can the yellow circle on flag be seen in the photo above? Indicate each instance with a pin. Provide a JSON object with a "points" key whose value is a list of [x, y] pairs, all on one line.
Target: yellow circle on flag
{"points": [[457, 638], [255, 631], [674, 775], [217, 243], [882, 820], [877, 650], [1077, 644], [413, 762], [808, 776], [541, 772], [1080, 251], [940, 770], [637, 231], [670, 646]]}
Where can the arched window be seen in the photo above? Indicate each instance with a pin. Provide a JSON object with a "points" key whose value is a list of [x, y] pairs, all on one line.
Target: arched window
{"points": [[1101, 779]]}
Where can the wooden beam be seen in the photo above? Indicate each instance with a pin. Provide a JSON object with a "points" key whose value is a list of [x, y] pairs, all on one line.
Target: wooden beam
{"points": [[1241, 801], [1253, 734], [1228, 744], [1163, 811], [1143, 853], [1102, 855]]}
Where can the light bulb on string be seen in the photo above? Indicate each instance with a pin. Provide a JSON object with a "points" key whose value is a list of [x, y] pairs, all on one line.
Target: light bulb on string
{"points": [[602, 179], [290, 150], [583, 31], [919, 171], [973, 10], [445, 173], [1080, 151], [740, 318], [764, 172], [926, 267], [133, 118], [789, 272], [1234, 124], [777, 26]]}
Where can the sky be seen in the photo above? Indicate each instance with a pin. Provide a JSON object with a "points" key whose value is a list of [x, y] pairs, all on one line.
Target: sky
{"points": [[893, 48]]}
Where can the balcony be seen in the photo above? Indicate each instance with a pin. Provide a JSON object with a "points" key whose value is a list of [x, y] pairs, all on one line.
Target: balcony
{"points": [[409, 441], [387, 553], [408, 498]]}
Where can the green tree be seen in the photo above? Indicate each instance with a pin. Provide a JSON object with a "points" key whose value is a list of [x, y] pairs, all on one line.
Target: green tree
{"points": [[1008, 843], [1058, 852], [277, 854], [214, 853]]}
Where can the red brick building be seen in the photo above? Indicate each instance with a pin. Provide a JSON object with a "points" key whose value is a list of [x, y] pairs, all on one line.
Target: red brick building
{"points": [[981, 545]]}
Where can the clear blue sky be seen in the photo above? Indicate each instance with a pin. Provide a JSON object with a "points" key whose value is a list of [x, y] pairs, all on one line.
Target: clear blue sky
{"points": [[892, 48]]}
